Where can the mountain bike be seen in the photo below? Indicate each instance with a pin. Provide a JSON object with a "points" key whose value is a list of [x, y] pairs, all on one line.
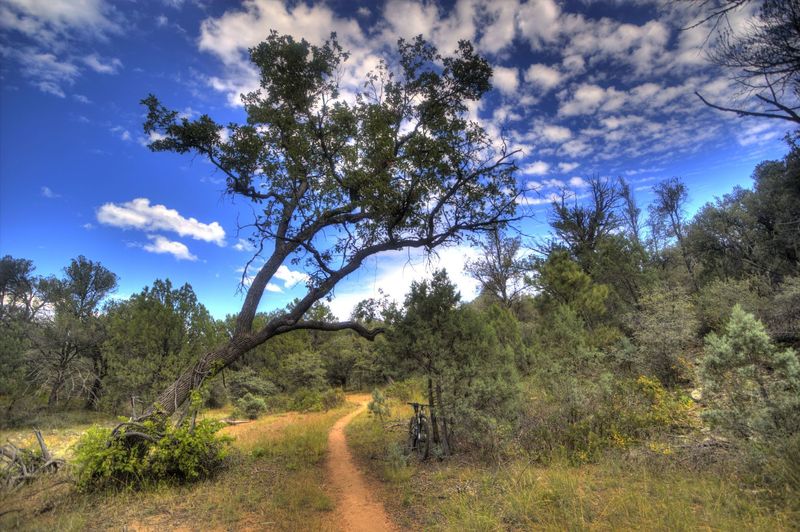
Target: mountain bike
{"points": [[419, 432]]}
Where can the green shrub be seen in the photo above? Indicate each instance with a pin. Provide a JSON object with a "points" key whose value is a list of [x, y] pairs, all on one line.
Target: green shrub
{"points": [[246, 381], [403, 391], [333, 398], [305, 400], [379, 406], [665, 330], [753, 387], [279, 403], [178, 454], [215, 395], [580, 419], [250, 406]]}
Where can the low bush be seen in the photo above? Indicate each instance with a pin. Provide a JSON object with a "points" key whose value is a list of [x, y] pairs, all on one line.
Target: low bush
{"points": [[379, 406], [580, 419], [333, 398], [175, 454], [305, 400], [250, 406]]}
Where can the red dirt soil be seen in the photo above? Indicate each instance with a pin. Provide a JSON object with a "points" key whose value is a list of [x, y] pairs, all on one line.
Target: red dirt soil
{"points": [[357, 509]]}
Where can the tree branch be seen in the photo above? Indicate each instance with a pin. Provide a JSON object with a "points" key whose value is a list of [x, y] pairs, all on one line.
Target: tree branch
{"points": [[792, 116]]}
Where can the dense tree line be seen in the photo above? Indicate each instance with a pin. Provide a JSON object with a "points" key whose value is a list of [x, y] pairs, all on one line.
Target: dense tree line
{"points": [[67, 344]]}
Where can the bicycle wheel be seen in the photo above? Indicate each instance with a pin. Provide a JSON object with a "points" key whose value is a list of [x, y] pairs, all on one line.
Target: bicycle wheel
{"points": [[424, 439]]}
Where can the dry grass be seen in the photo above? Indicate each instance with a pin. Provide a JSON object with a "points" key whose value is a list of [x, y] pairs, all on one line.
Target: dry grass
{"points": [[275, 481], [616, 494]]}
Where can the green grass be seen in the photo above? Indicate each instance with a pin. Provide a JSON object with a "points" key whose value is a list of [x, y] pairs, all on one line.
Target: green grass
{"points": [[275, 480], [617, 493]]}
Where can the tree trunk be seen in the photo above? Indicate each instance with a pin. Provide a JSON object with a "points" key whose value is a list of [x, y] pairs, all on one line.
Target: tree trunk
{"points": [[434, 417], [94, 394], [53, 399], [192, 377], [446, 449]]}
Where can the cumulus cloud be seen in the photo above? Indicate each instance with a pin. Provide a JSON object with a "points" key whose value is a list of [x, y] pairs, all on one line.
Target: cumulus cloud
{"points": [[536, 168], [539, 22], [505, 79], [499, 26], [588, 98], [544, 77], [556, 133], [289, 277], [159, 244], [272, 287], [139, 214], [567, 167], [230, 35]]}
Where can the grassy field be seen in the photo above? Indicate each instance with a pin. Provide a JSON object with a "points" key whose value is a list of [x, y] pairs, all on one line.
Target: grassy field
{"points": [[275, 481], [619, 493]]}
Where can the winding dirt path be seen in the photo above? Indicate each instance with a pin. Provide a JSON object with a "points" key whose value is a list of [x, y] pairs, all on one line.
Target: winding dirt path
{"points": [[357, 509]]}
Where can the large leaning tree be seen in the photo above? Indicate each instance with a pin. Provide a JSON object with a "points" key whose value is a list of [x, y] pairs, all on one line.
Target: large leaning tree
{"points": [[335, 180]]}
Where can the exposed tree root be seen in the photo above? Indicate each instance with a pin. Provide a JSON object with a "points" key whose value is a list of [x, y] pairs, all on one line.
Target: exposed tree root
{"points": [[18, 465]]}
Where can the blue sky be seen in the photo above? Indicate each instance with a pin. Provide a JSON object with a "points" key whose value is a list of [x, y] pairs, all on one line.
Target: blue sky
{"points": [[581, 88]]}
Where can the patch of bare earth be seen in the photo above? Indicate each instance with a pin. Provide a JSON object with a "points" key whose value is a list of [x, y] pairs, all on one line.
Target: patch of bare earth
{"points": [[357, 508]]}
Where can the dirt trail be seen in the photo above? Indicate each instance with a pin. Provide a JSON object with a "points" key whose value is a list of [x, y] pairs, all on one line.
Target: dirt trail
{"points": [[357, 508]]}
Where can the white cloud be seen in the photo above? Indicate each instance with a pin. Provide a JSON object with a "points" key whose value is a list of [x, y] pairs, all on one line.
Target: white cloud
{"points": [[578, 182], [289, 277], [538, 22], [44, 33], [230, 35], [575, 148], [407, 19], [499, 30], [101, 66], [536, 168], [45, 70], [81, 98], [505, 79], [159, 244], [243, 245], [139, 214], [757, 133], [271, 287], [51, 21], [567, 167], [47, 192], [123, 133], [556, 133], [544, 77], [162, 21], [589, 98], [151, 137]]}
